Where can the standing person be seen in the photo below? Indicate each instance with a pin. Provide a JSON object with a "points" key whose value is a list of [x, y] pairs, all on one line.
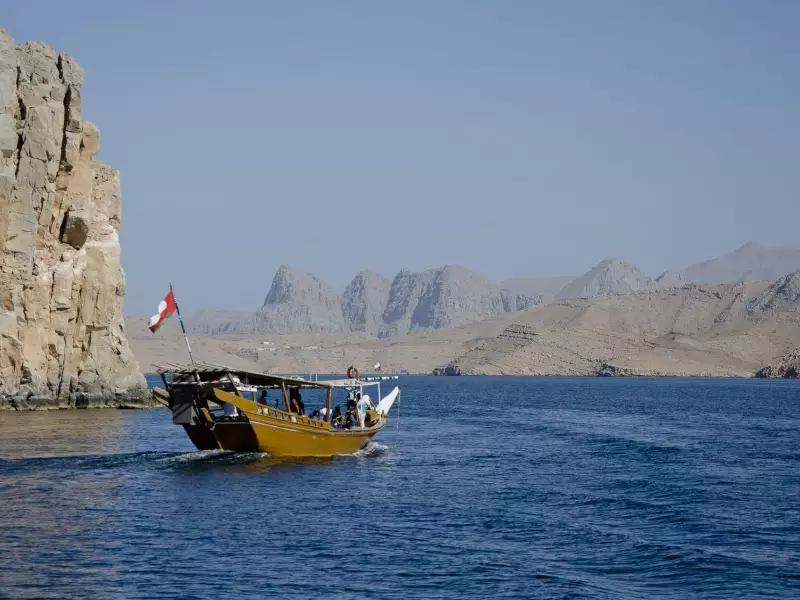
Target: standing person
{"points": [[300, 405], [294, 405]]}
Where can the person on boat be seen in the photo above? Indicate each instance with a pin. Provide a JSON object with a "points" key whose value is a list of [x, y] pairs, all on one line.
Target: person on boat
{"points": [[323, 413], [315, 415], [294, 405], [229, 410], [300, 405], [263, 398], [336, 417]]}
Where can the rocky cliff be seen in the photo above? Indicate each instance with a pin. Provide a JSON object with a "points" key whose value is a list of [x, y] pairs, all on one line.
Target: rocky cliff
{"points": [[299, 301], [438, 299], [364, 301], [62, 337]]}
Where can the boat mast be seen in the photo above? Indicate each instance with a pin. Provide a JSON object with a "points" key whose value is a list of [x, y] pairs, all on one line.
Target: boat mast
{"points": [[285, 397], [178, 310]]}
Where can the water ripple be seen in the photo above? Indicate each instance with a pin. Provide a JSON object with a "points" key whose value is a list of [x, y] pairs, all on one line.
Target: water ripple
{"points": [[513, 488]]}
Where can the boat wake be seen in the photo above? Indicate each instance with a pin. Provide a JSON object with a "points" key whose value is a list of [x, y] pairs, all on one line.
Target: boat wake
{"points": [[372, 450], [212, 457]]}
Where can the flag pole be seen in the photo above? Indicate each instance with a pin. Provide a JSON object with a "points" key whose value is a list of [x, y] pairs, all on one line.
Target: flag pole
{"points": [[185, 337]]}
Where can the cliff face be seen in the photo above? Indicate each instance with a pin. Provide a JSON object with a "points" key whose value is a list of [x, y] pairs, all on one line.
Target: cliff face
{"points": [[299, 301], [364, 300], [62, 337], [438, 299]]}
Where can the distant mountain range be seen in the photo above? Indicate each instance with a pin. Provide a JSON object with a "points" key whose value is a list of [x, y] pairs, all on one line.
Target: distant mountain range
{"points": [[434, 299], [751, 262], [453, 296]]}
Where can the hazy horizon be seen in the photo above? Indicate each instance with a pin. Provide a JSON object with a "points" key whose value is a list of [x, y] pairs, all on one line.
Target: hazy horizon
{"points": [[516, 139]]}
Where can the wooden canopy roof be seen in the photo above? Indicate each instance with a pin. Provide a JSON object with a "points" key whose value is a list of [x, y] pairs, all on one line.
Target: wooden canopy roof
{"points": [[209, 371]]}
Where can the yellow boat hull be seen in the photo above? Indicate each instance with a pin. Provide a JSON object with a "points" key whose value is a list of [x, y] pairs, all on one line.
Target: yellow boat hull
{"points": [[280, 433]]}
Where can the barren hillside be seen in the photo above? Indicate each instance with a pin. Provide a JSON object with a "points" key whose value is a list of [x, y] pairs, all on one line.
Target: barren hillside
{"points": [[706, 330]]}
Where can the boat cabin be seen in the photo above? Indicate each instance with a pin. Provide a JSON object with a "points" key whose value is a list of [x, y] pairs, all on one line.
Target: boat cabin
{"points": [[294, 399]]}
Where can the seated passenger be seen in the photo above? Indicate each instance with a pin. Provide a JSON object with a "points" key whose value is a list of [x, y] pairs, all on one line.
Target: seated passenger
{"points": [[371, 417], [323, 414], [263, 398], [315, 415], [229, 410]]}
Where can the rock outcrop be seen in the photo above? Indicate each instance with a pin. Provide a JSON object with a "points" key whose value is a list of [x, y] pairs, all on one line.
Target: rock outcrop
{"points": [[62, 336], [782, 295], [787, 368], [750, 262], [300, 302], [364, 301], [439, 299]]}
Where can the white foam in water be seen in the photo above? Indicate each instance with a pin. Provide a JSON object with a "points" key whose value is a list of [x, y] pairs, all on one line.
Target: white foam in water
{"points": [[372, 450], [195, 456]]}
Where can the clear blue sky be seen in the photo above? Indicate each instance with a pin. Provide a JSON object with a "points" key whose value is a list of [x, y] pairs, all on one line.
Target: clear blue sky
{"points": [[514, 138]]}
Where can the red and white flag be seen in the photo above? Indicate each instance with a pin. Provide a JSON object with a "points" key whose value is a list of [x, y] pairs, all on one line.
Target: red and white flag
{"points": [[377, 367], [165, 310]]}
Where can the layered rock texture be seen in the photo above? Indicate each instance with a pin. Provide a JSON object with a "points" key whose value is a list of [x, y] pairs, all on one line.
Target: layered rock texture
{"points": [[62, 336]]}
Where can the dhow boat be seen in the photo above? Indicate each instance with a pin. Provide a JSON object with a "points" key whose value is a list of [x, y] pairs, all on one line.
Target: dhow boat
{"points": [[230, 409]]}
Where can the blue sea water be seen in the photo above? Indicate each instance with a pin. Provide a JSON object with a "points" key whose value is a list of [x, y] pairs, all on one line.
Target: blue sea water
{"points": [[489, 488]]}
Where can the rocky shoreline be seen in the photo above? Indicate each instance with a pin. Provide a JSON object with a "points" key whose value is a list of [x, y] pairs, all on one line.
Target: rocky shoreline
{"points": [[120, 400]]}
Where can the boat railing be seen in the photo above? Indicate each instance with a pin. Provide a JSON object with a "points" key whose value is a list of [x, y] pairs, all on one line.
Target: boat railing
{"points": [[284, 416]]}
